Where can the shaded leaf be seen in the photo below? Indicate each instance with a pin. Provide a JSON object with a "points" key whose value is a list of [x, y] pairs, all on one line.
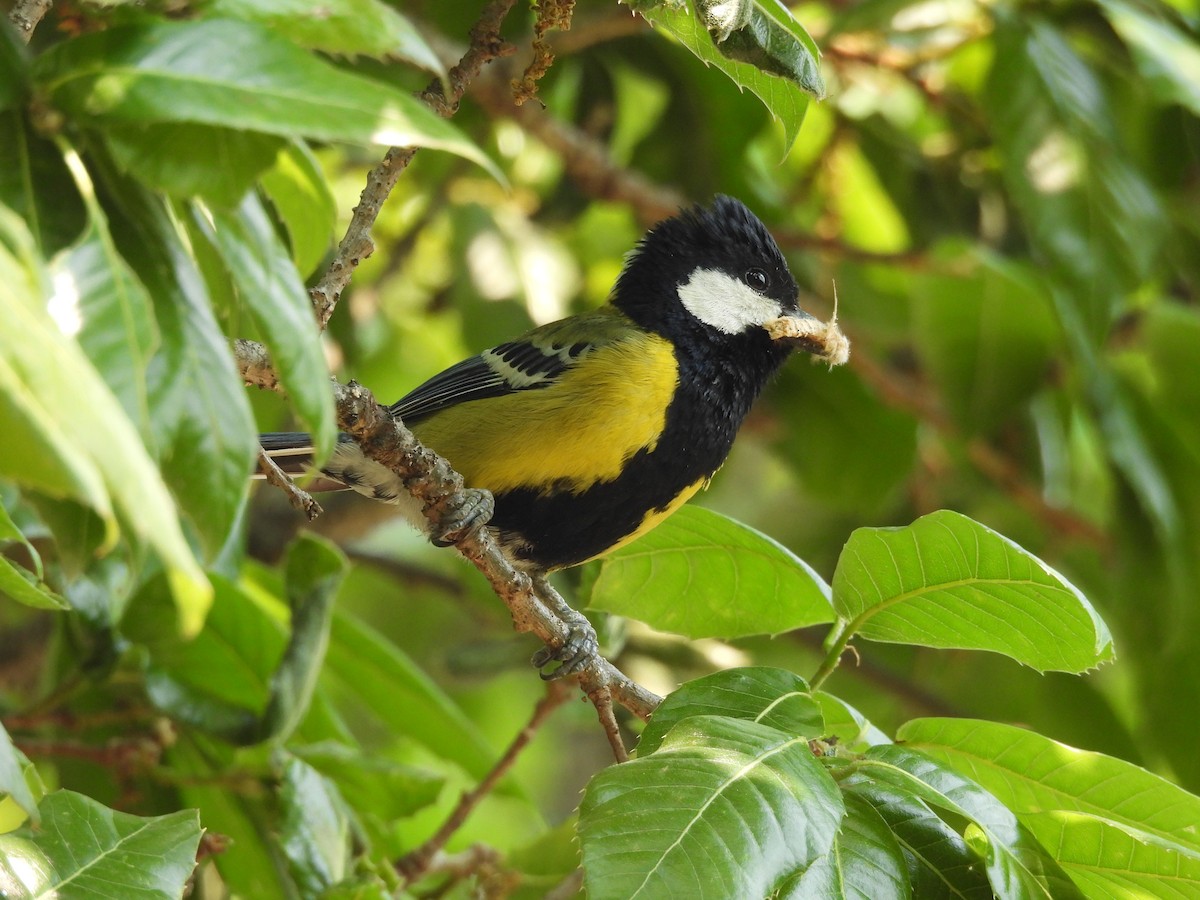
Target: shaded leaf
{"points": [[186, 159], [866, 862], [361, 664], [940, 864], [1030, 773], [774, 697], [1167, 58], [315, 830], [303, 201], [12, 776], [337, 26], [785, 98], [724, 808], [270, 288], [1017, 866], [851, 728], [948, 581], [986, 332], [702, 574]]}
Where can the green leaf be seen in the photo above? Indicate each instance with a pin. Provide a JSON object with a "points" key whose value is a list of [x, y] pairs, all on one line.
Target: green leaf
{"points": [[349, 27], [834, 429], [1030, 773], [35, 184], [765, 34], [947, 581], [300, 194], [784, 97], [314, 569], [851, 728], [97, 292], [251, 865], [18, 582], [1017, 866], [361, 664], [1167, 58], [70, 437], [24, 586], [271, 289], [724, 808], [940, 864], [83, 849], [207, 436], [186, 159], [315, 831], [866, 862], [12, 776], [1107, 859], [701, 574], [234, 75], [373, 786], [774, 697], [14, 68], [1089, 212], [986, 331], [217, 681]]}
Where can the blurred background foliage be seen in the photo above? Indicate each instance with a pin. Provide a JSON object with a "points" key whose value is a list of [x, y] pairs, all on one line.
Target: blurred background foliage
{"points": [[1004, 196]]}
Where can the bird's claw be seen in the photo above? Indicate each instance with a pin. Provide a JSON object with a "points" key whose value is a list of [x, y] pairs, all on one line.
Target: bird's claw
{"points": [[574, 654], [471, 508]]}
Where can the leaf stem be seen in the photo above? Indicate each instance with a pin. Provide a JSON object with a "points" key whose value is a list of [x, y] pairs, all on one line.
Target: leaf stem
{"points": [[836, 643]]}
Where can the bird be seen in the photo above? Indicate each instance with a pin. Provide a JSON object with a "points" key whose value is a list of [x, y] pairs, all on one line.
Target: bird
{"points": [[590, 431]]}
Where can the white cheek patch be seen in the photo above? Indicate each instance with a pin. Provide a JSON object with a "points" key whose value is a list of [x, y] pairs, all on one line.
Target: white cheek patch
{"points": [[725, 303]]}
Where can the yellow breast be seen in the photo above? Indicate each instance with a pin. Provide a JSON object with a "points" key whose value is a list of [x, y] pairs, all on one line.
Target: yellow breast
{"points": [[578, 431]]}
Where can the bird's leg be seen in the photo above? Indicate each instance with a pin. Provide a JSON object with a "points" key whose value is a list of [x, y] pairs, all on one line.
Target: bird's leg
{"points": [[581, 645], [467, 509]]}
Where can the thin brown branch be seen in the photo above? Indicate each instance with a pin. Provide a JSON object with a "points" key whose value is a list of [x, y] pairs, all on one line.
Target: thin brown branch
{"points": [[26, 14], [440, 489], [254, 365], [587, 160], [549, 15], [416, 864], [299, 498], [357, 244]]}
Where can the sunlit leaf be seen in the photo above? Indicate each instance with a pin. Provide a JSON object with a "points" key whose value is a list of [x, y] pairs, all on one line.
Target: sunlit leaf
{"points": [[83, 849], [350, 27], [701, 574], [748, 806], [234, 75], [1031, 773], [948, 581], [774, 697]]}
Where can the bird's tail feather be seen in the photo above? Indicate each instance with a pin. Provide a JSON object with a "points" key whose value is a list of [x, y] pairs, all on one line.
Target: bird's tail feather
{"points": [[292, 451]]}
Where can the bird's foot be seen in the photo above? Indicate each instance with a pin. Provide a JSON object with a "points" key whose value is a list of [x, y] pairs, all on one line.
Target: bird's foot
{"points": [[470, 509], [575, 653]]}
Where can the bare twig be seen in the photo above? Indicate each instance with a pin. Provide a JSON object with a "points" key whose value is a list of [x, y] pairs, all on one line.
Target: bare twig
{"points": [[416, 864], [26, 14], [486, 45], [550, 15], [300, 499], [254, 365]]}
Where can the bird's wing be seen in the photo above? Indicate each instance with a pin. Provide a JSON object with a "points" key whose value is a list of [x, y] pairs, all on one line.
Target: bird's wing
{"points": [[535, 360]]}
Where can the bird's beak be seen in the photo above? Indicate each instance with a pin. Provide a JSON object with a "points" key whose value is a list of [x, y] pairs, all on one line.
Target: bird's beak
{"points": [[824, 340]]}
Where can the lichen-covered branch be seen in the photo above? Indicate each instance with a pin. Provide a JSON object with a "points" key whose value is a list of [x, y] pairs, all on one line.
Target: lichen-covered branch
{"points": [[26, 14]]}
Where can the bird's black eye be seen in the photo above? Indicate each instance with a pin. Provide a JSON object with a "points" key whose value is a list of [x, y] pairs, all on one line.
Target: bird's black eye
{"points": [[756, 279]]}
